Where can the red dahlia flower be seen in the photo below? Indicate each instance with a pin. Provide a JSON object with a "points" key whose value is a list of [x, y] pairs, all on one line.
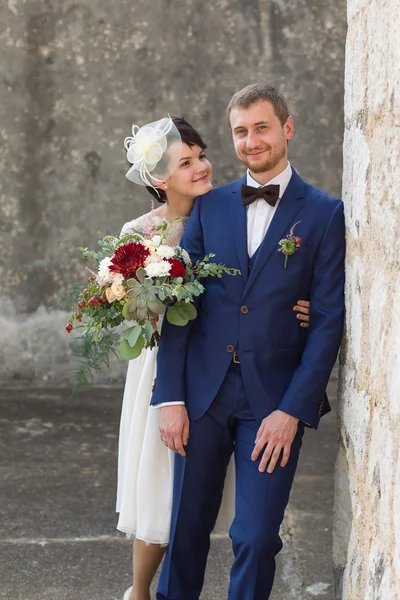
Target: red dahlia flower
{"points": [[128, 258], [177, 268]]}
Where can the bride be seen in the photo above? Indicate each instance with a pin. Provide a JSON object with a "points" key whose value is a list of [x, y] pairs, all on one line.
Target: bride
{"points": [[180, 172]]}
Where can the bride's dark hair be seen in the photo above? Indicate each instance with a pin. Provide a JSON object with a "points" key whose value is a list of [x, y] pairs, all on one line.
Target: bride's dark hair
{"points": [[189, 136]]}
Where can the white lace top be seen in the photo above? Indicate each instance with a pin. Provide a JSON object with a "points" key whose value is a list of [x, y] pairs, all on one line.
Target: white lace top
{"points": [[147, 223]]}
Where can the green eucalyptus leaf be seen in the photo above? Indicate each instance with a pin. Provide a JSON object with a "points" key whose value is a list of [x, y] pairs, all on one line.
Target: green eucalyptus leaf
{"points": [[191, 311], [129, 353], [174, 316], [131, 335], [125, 311], [148, 331], [126, 332]]}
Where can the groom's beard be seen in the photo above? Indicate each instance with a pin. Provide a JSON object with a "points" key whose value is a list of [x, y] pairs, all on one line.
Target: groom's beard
{"points": [[268, 164]]}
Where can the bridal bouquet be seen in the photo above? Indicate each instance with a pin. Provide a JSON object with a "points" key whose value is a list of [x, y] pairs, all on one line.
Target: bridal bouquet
{"points": [[136, 280]]}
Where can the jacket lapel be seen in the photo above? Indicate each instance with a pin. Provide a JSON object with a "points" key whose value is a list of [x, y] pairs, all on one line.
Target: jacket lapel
{"points": [[238, 219], [290, 204]]}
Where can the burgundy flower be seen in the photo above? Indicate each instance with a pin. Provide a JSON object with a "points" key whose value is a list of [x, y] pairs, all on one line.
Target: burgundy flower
{"points": [[177, 268], [128, 258]]}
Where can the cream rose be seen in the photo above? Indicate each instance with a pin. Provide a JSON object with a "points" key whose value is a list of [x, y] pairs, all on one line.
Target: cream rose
{"points": [[109, 295], [118, 290]]}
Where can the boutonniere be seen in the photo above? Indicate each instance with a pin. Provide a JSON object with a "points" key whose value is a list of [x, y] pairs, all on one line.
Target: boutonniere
{"points": [[290, 244]]}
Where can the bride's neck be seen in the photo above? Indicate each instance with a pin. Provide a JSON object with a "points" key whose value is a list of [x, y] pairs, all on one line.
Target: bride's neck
{"points": [[175, 207]]}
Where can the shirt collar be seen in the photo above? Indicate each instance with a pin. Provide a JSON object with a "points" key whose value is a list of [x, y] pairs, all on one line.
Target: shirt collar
{"points": [[282, 180]]}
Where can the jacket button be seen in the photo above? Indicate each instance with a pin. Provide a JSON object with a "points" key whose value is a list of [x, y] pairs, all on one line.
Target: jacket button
{"points": [[230, 348], [244, 310]]}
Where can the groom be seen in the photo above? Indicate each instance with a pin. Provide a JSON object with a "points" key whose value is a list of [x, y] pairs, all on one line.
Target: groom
{"points": [[243, 378]]}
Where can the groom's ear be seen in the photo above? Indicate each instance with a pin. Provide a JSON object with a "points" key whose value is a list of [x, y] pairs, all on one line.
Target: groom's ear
{"points": [[289, 128]]}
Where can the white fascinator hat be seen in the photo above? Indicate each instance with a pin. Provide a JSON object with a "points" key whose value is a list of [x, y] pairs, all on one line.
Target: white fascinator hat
{"points": [[154, 152]]}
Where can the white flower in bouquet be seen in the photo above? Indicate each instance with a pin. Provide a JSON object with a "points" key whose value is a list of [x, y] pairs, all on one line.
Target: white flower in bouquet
{"points": [[104, 275], [158, 269], [165, 251], [156, 240], [153, 258]]}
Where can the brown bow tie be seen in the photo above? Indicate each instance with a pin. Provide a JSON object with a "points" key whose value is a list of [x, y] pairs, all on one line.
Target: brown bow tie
{"points": [[270, 193]]}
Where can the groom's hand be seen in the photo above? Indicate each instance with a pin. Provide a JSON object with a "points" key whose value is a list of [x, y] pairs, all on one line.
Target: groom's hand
{"points": [[174, 427], [276, 433]]}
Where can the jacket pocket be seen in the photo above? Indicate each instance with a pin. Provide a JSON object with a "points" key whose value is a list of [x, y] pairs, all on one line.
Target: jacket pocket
{"points": [[297, 347]]}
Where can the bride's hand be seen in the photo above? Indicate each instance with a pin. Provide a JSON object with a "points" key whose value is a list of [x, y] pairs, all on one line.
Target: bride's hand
{"points": [[303, 309]]}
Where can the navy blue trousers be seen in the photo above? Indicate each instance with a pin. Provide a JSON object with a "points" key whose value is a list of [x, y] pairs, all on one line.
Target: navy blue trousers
{"points": [[261, 498]]}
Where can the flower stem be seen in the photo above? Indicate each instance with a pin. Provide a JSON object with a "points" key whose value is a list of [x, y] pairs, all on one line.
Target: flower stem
{"points": [[286, 259]]}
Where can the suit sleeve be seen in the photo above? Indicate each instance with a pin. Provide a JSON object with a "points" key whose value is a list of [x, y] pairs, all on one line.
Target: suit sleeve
{"points": [[307, 387], [171, 358]]}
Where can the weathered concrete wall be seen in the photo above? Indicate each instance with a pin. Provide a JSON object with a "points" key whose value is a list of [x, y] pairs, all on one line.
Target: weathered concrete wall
{"points": [[74, 76], [367, 504]]}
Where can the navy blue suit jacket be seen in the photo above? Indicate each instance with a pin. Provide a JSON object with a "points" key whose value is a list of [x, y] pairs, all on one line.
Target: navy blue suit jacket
{"points": [[284, 366]]}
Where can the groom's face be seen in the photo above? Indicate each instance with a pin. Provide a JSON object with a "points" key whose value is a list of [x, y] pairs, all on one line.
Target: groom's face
{"points": [[259, 137]]}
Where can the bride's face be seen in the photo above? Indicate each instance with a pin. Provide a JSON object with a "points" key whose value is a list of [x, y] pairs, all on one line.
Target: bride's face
{"points": [[192, 177]]}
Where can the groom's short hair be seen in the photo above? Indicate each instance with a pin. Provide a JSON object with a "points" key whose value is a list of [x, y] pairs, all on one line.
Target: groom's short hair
{"points": [[255, 92]]}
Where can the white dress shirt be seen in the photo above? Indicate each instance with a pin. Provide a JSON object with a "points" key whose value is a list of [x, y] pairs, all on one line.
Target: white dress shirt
{"points": [[260, 213], [259, 217]]}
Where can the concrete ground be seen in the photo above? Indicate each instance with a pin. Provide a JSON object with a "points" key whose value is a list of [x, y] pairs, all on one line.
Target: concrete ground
{"points": [[57, 528]]}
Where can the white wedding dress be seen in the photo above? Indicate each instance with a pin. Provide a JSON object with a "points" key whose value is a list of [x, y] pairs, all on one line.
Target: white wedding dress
{"points": [[145, 465]]}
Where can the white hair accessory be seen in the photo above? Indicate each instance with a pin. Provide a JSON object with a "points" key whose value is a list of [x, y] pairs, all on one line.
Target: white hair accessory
{"points": [[146, 148]]}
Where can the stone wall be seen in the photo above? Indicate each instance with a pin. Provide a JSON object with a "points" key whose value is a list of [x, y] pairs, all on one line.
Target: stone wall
{"points": [[367, 504], [74, 76]]}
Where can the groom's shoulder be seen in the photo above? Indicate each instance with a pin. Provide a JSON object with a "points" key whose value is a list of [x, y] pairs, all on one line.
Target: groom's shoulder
{"points": [[221, 191], [318, 198], [228, 187]]}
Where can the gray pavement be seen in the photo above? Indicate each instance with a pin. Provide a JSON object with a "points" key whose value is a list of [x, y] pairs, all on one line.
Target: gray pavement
{"points": [[57, 528]]}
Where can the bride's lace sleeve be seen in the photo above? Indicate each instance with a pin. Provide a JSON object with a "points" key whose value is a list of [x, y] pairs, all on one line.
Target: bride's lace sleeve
{"points": [[140, 225], [129, 227], [175, 232], [147, 224]]}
